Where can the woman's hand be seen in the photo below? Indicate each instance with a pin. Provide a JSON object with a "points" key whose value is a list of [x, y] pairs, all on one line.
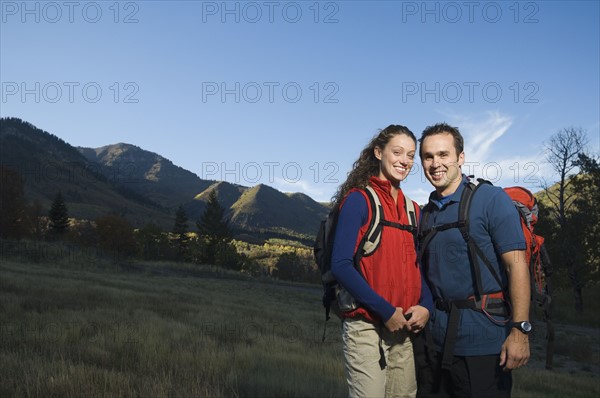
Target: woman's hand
{"points": [[397, 321]]}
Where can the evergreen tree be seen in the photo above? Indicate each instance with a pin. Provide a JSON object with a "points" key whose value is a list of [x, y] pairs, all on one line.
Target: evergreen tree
{"points": [[35, 220], [59, 215], [289, 267], [152, 243], [115, 236], [180, 229], [585, 219], [12, 204], [214, 227]]}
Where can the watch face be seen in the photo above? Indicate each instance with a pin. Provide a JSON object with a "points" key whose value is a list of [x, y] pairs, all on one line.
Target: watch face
{"points": [[523, 326]]}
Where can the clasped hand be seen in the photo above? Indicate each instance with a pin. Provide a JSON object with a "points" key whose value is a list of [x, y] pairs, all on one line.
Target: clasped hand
{"points": [[413, 320]]}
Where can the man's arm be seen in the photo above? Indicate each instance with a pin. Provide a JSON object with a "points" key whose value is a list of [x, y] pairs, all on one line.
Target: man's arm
{"points": [[515, 350]]}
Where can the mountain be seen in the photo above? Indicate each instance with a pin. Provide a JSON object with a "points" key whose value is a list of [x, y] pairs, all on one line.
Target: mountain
{"points": [[227, 195], [48, 165], [265, 207], [146, 173], [144, 186]]}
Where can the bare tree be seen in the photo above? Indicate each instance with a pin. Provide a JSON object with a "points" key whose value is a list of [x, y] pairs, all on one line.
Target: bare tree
{"points": [[562, 153]]}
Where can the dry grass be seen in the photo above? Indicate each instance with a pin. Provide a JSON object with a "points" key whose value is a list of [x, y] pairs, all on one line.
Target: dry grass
{"points": [[72, 329]]}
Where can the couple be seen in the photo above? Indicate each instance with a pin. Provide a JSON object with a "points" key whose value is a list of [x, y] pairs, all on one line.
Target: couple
{"points": [[401, 297]]}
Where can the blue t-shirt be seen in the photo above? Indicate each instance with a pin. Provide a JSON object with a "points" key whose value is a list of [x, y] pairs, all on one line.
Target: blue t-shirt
{"points": [[496, 228]]}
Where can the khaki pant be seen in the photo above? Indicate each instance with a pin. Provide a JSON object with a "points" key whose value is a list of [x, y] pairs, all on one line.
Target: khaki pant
{"points": [[362, 361]]}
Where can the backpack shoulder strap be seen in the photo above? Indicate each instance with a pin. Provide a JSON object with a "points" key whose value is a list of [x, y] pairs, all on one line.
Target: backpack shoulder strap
{"points": [[424, 237], [463, 209], [463, 227], [475, 251], [409, 205], [412, 215], [372, 237]]}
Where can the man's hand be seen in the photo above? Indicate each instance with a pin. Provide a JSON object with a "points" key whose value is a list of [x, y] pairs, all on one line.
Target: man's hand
{"points": [[419, 316], [515, 351]]}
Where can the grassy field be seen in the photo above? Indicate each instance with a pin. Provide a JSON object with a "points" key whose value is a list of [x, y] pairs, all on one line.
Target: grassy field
{"points": [[73, 329]]}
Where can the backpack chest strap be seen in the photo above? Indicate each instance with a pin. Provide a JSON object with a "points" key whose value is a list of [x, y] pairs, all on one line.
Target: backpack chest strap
{"points": [[404, 227]]}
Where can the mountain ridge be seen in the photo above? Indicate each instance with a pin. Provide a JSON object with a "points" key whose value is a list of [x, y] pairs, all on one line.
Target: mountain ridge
{"points": [[144, 186]]}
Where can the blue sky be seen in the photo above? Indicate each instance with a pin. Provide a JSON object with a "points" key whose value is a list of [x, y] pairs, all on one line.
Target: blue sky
{"points": [[288, 93]]}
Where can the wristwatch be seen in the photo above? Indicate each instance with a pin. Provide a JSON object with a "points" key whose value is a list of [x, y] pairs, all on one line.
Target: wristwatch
{"points": [[523, 326]]}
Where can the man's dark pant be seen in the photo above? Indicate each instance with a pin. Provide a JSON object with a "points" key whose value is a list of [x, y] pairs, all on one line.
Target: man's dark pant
{"points": [[468, 377]]}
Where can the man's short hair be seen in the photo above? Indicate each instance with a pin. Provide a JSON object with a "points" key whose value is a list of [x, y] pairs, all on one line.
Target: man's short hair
{"points": [[441, 128]]}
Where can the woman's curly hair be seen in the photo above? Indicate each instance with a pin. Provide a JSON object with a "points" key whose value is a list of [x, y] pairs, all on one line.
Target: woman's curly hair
{"points": [[367, 165]]}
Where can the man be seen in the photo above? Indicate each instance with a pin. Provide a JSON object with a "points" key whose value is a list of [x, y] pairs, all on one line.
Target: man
{"points": [[475, 346]]}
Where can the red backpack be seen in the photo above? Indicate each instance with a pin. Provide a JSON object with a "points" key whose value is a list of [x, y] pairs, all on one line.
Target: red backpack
{"points": [[527, 206]]}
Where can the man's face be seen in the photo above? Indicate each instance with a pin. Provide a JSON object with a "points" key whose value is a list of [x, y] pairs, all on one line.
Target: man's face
{"points": [[441, 164]]}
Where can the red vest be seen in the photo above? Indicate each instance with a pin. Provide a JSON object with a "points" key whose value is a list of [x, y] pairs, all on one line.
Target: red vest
{"points": [[392, 270]]}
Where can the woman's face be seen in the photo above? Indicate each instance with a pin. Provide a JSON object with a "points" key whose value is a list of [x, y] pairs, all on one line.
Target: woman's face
{"points": [[396, 158]]}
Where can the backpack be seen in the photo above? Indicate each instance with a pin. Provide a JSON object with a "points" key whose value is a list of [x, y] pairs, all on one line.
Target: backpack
{"points": [[492, 303], [539, 270], [334, 295], [527, 207], [540, 267]]}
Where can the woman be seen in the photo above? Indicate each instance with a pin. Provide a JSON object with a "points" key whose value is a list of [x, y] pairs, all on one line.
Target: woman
{"points": [[395, 303]]}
